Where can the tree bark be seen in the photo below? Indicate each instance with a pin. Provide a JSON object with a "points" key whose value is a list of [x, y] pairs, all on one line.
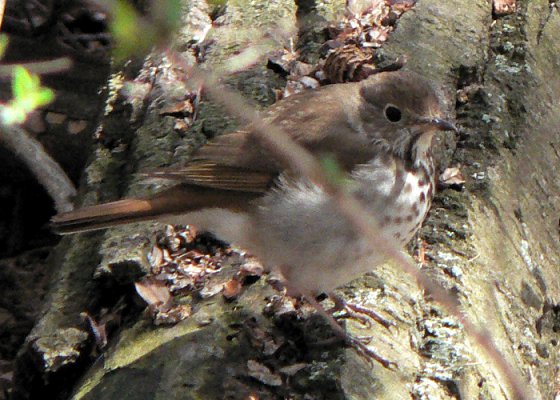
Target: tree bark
{"points": [[494, 244]]}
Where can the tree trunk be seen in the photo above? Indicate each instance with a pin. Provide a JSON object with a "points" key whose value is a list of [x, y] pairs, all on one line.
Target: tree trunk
{"points": [[494, 244]]}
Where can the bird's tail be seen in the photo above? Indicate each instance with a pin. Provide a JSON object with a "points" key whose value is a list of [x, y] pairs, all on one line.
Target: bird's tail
{"points": [[175, 201], [104, 216]]}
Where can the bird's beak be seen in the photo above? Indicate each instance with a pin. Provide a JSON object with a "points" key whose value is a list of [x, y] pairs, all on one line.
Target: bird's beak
{"points": [[441, 124]]}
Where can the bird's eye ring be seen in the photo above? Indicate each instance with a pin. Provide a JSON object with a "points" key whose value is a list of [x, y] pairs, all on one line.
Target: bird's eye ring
{"points": [[392, 113]]}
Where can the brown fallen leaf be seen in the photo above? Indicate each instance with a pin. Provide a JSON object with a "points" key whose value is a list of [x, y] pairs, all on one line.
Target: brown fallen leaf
{"points": [[251, 267], [173, 315], [452, 177], [279, 306], [263, 374], [182, 125], [76, 126], [503, 7], [180, 108], [262, 340], [291, 370], [155, 257], [155, 293], [401, 5], [231, 289]]}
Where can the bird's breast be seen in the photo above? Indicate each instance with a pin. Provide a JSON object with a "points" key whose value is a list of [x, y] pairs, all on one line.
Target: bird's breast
{"points": [[397, 195], [403, 217]]}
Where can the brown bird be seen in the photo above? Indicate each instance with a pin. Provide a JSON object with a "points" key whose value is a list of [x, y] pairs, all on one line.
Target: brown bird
{"points": [[379, 130]]}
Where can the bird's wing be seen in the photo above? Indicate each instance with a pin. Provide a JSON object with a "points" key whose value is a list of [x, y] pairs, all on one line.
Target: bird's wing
{"points": [[216, 176], [235, 161]]}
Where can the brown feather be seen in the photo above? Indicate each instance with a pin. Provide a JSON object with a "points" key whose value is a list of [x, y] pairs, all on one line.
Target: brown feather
{"points": [[180, 199], [211, 175], [238, 150], [236, 162], [308, 126]]}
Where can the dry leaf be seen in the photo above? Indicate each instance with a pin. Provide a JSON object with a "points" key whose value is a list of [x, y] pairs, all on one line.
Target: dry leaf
{"points": [[231, 289], [55, 118], [452, 177], [155, 257], [503, 7], [211, 289], [180, 108], [263, 374], [280, 306], [291, 370], [182, 125], [308, 82], [262, 340], [174, 315], [251, 268], [301, 68], [401, 5], [77, 126], [155, 293]]}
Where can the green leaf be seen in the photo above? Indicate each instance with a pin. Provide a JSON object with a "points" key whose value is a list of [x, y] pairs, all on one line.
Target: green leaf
{"points": [[44, 96], [27, 96], [39, 98], [22, 82]]}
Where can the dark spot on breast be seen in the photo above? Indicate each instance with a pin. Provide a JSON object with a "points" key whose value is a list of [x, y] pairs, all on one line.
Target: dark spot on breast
{"points": [[407, 188], [415, 209], [397, 235], [410, 218], [421, 182], [422, 197], [397, 220]]}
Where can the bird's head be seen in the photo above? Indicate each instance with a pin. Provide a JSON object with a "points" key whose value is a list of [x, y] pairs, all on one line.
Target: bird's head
{"points": [[400, 111]]}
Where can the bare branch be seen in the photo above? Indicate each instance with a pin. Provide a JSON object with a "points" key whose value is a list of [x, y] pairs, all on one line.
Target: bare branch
{"points": [[47, 171], [2, 9], [38, 67]]}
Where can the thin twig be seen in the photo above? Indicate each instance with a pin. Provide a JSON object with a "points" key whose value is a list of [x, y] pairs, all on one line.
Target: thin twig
{"points": [[47, 171], [38, 67], [2, 10]]}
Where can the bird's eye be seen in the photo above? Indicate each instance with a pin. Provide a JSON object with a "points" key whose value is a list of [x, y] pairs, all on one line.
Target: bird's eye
{"points": [[392, 113]]}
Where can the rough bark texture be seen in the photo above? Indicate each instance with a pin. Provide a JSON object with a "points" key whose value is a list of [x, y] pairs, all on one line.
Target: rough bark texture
{"points": [[494, 244]]}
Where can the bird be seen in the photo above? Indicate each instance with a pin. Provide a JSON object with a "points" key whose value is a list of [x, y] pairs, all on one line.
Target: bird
{"points": [[378, 130]]}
